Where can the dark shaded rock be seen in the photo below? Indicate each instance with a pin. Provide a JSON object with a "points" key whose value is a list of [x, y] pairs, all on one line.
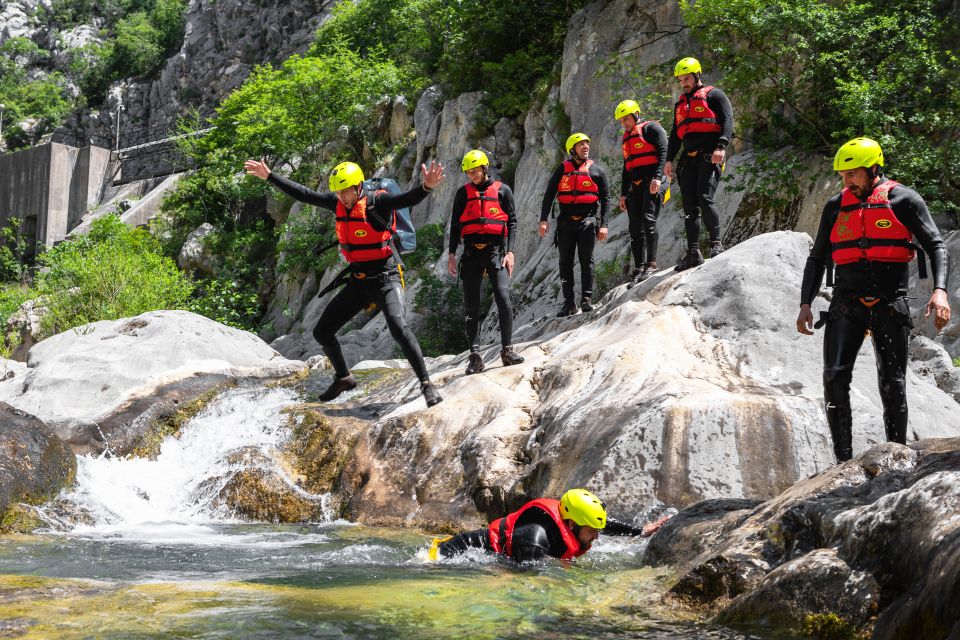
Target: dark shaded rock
{"points": [[816, 582], [684, 536], [34, 463]]}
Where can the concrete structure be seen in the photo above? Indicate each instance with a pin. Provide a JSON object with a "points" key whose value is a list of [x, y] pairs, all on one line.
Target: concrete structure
{"points": [[49, 188]]}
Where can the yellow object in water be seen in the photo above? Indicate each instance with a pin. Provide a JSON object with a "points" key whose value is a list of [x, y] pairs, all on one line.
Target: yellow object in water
{"points": [[666, 196], [435, 548]]}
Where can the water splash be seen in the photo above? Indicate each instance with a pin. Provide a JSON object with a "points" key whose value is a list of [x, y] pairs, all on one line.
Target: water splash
{"points": [[173, 498]]}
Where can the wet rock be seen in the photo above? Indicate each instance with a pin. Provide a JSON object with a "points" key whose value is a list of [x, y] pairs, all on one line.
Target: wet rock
{"points": [[317, 453], [930, 360], [34, 463], [103, 385], [696, 528], [21, 518]]}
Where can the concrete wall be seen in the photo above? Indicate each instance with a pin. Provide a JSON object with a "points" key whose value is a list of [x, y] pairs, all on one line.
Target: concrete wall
{"points": [[48, 188]]}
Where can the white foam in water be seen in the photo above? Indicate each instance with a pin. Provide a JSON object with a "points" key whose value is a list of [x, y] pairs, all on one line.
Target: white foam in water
{"points": [[168, 500]]}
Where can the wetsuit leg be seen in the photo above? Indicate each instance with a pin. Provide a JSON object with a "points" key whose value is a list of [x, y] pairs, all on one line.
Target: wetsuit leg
{"points": [[708, 177], [688, 180], [471, 272], [390, 300], [586, 239], [346, 304], [842, 340], [567, 246], [649, 212], [638, 244], [890, 328], [500, 282], [478, 539]]}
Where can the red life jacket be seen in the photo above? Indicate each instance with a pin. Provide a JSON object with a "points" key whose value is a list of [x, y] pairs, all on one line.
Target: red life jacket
{"points": [[359, 240], [483, 213], [576, 186], [637, 152], [870, 230], [501, 529], [694, 115]]}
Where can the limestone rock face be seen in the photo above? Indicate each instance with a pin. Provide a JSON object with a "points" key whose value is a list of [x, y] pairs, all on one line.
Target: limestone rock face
{"points": [[34, 463], [691, 386], [194, 256], [876, 537], [99, 385]]}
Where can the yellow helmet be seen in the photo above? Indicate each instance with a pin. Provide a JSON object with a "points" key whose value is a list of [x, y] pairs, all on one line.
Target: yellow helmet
{"points": [[474, 159], [345, 175], [859, 152], [574, 139], [687, 65], [627, 108], [584, 508]]}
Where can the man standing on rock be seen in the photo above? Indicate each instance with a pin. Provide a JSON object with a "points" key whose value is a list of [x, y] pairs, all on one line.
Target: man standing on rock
{"points": [[365, 225], [644, 156], [485, 218], [580, 186], [703, 125], [562, 529], [868, 231]]}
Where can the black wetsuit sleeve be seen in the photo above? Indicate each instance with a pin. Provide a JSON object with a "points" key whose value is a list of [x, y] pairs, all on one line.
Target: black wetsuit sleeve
{"points": [[719, 103], [530, 543], [616, 528], [550, 194], [820, 253], [297, 191], [600, 177], [911, 210], [477, 539], [673, 146], [510, 208], [657, 136], [459, 204]]}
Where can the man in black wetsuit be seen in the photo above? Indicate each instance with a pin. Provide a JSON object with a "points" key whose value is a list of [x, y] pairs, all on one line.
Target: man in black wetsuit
{"points": [[485, 217], [364, 231], [703, 124], [563, 529], [868, 231], [580, 186], [644, 156]]}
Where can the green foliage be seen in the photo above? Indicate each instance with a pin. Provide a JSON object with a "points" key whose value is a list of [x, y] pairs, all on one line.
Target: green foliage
{"points": [[226, 301], [442, 306], [42, 99], [609, 274], [429, 248], [829, 626], [956, 362], [301, 241], [813, 74], [13, 247], [136, 50], [113, 272]]}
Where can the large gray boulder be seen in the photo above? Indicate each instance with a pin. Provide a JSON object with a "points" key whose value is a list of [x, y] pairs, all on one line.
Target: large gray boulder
{"points": [[34, 463], [691, 386], [98, 385]]}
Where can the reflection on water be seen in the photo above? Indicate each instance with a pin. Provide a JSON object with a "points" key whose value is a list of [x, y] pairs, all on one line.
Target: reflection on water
{"points": [[318, 581]]}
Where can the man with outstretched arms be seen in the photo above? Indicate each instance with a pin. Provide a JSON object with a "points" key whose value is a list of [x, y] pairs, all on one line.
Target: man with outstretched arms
{"points": [[365, 225]]}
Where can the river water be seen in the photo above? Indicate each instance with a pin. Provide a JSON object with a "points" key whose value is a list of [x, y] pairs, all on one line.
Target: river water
{"points": [[157, 557]]}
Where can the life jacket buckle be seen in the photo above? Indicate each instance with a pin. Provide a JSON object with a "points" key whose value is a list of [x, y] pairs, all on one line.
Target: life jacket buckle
{"points": [[863, 243], [576, 218], [869, 301], [359, 275], [480, 246], [693, 154]]}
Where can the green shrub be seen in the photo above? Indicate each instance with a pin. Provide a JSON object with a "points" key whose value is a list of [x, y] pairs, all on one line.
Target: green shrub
{"points": [[225, 301], [442, 305], [114, 272], [429, 248], [301, 241]]}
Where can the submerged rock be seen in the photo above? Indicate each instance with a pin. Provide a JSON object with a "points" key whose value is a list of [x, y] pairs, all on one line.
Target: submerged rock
{"points": [[34, 465], [876, 539], [104, 385]]}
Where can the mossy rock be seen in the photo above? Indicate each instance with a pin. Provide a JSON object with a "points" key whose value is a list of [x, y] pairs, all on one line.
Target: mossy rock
{"points": [[20, 518], [318, 451], [830, 626]]}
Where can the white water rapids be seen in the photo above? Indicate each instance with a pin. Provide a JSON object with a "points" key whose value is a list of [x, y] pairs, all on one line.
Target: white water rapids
{"points": [[175, 496]]}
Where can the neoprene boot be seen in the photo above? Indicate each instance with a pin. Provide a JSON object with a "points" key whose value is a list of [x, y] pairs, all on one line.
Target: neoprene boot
{"points": [[585, 305], [568, 309], [476, 364], [430, 394], [648, 270], [510, 357], [716, 248], [635, 278], [338, 386], [693, 258]]}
